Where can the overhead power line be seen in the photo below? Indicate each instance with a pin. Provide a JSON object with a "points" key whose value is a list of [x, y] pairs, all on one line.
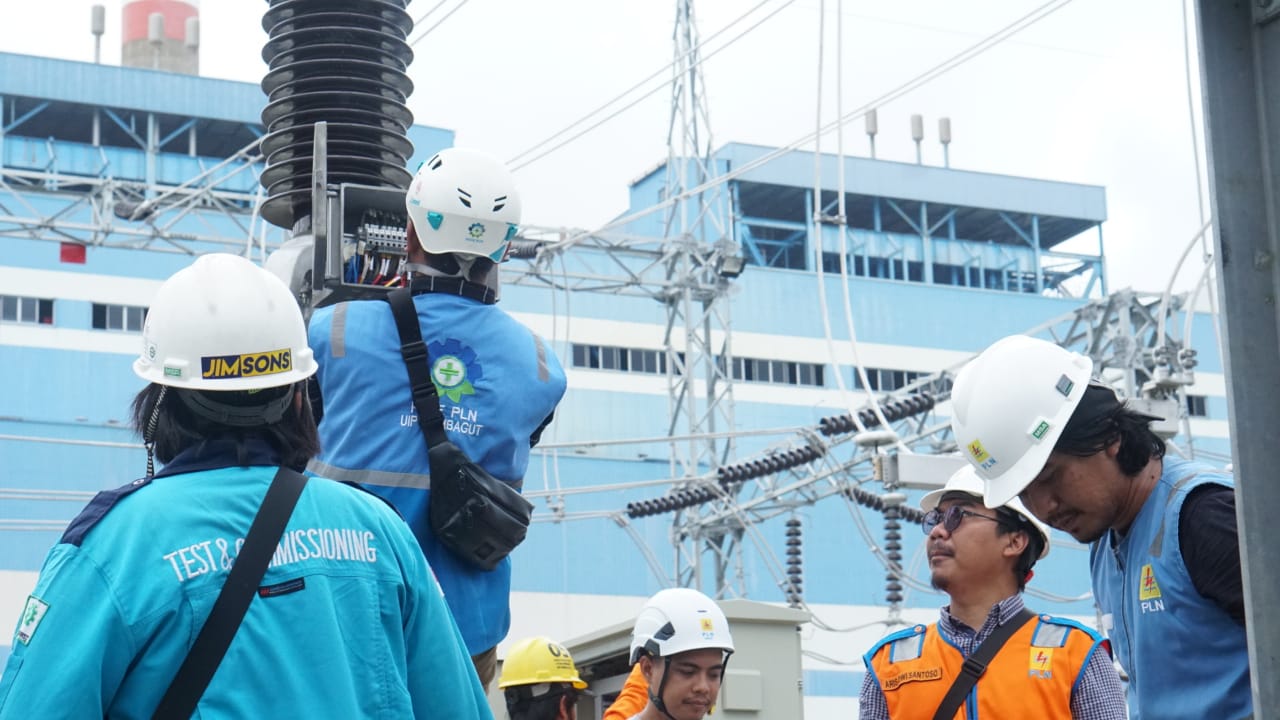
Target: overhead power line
{"points": [[923, 78], [437, 24], [519, 161]]}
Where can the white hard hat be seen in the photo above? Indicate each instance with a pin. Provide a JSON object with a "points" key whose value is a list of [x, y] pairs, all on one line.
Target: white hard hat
{"points": [[966, 480], [677, 620], [223, 323], [1009, 406], [463, 201]]}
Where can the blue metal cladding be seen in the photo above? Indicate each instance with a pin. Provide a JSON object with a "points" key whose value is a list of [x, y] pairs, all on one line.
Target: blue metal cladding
{"points": [[884, 311], [880, 178], [134, 88], [72, 158]]}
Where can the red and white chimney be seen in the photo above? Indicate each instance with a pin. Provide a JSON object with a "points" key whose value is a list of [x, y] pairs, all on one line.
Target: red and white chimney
{"points": [[161, 35]]}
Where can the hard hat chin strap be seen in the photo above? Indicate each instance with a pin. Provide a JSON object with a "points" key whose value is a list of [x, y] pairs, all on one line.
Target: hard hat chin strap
{"points": [[656, 698], [661, 704]]}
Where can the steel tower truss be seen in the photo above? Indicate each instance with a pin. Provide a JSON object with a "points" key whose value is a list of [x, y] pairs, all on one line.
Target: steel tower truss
{"points": [[197, 216], [701, 395]]}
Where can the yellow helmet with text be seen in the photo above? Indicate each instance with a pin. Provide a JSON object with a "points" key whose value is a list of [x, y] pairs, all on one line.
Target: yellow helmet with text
{"points": [[537, 660]]}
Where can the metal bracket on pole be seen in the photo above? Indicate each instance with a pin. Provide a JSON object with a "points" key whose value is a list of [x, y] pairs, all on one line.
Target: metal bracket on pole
{"points": [[320, 208]]}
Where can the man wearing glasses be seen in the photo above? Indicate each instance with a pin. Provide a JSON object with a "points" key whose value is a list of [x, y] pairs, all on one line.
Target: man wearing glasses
{"points": [[1041, 667]]}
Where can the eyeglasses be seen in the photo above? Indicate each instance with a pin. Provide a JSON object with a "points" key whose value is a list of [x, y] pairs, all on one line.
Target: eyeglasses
{"points": [[951, 518]]}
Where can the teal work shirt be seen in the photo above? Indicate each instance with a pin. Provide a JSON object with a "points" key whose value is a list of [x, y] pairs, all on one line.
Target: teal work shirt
{"points": [[348, 622]]}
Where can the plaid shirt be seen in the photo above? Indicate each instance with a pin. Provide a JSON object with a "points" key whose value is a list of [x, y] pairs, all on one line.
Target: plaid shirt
{"points": [[1096, 696]]}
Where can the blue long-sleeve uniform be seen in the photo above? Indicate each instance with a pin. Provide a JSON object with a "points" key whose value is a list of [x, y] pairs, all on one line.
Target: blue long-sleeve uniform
{"points": [[498, 384], [349, 621]]}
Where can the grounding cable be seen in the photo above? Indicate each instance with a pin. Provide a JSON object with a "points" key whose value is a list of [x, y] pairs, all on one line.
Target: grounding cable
{"points": [[816, 221], [844, 232]]}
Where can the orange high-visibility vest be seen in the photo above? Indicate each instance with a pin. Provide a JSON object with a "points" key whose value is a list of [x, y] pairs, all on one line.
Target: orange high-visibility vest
{"points": [[1031, 676]]}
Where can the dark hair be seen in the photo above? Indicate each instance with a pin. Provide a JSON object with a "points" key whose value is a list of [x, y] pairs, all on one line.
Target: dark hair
{"points": [[1011, 521], [1099, 420], [523, 706], [178, 427]]}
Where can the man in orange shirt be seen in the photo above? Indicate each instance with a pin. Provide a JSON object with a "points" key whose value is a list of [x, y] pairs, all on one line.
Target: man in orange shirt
{"points": [[1047, 668]]}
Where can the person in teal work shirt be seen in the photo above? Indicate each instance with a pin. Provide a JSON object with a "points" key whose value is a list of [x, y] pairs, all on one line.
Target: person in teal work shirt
{"points": [[348, 620]]}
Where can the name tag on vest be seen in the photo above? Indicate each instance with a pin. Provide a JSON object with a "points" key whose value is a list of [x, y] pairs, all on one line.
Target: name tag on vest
{"points": [[900, 679]]}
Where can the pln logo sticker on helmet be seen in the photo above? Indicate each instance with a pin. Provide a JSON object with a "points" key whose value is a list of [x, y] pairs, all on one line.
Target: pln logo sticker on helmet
{"points": [[980, 455]]}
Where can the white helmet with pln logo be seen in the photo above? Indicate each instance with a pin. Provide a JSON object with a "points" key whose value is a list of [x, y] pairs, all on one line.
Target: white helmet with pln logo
{"points": [[1009, 407], [677, 620], [463, 201], [223, 323]]}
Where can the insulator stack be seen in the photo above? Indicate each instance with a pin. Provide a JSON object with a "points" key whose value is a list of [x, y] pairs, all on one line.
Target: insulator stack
{"points": [[871, 500], [729, 475], [893, 411], [795, 564], [893, 552], [678, 500], [342, 62]]}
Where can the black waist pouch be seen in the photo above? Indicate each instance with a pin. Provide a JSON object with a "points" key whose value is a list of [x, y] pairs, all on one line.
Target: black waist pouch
{"points": [[475, 515]]}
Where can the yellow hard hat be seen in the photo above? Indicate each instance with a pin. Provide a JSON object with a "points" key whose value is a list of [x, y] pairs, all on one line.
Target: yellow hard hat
{"points": [[539, 660]]}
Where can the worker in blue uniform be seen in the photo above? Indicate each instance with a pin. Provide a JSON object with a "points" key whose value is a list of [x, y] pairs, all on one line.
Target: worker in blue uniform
{"points": [[1164, 549], [347, 622], [498, 382]]}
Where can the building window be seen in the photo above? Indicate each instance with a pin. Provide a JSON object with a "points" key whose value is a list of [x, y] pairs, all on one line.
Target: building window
{"points": [[780, 372], [128, 318], [36, 311], [1196, 406], [885, 379], [654, 362], [604, 357]]}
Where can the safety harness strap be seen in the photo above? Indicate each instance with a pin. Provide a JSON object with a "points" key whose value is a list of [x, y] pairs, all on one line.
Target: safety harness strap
{"points": [[418, 363]]}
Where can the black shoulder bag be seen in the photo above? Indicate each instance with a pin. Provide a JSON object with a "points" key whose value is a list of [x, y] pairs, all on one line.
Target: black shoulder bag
{"points": [[976, 664], [478, 517], [233, 601]]}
